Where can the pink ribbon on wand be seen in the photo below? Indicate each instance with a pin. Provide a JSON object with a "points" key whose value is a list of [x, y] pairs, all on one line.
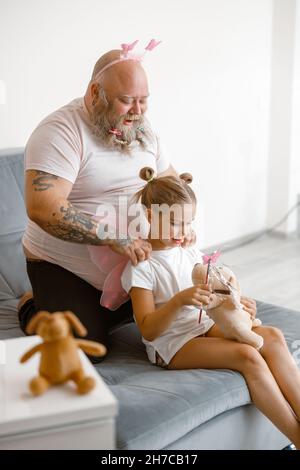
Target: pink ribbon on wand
{"points": [[207, 259]]}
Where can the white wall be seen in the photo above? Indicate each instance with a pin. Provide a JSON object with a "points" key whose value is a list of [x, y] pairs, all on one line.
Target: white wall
{"points": [[210, 87], [294, 190], [284, 162]]}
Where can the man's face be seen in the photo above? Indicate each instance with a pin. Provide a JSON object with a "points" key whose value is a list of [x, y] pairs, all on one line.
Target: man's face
{"points": [[125, 113], [122, 101], [126, 91], [127, 108]]}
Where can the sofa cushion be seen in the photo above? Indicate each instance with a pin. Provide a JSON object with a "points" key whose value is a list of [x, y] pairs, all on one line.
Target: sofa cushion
{"points": [[157, 406], [13, 277]]}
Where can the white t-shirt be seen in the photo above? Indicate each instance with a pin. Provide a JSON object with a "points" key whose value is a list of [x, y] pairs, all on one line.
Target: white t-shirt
{"points": [[166, 273], [63, 144]]}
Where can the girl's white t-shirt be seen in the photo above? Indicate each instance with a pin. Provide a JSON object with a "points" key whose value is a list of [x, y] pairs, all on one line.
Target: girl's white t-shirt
{"points": [[166, 273], [63, 144]]}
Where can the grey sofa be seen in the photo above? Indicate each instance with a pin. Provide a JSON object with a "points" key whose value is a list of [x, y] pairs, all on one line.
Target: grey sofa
{"points": [[158, 409]]}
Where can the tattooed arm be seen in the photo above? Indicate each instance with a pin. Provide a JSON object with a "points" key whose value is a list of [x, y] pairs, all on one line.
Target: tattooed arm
{"points": [[47, 205]]}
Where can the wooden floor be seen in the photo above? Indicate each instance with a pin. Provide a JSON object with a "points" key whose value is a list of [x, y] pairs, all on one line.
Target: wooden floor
{"points": [[269, 269]]}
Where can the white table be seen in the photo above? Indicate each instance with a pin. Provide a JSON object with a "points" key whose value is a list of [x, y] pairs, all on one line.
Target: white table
{"points": [[59, 419]]}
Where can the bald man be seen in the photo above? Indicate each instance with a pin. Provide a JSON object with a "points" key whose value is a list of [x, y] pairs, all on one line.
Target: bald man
{"points": [[85, 154]]}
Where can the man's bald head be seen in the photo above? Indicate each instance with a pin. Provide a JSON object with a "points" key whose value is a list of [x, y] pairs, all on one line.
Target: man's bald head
{"points": [[104, 60], [119, 71]]}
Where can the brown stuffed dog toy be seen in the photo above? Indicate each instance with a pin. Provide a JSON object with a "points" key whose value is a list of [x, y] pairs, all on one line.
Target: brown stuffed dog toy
{"points": [[60, 360]]}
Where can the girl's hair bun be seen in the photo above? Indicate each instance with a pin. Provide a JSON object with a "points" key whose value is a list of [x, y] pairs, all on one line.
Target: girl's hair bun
{"points": [[147, 173], [165, 189], [186, 177]]}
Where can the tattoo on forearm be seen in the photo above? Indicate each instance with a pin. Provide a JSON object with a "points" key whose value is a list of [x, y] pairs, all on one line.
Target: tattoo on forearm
{"points": [[71, 234], [42, 182], [74, 226], [70, 224], [74, 216]]}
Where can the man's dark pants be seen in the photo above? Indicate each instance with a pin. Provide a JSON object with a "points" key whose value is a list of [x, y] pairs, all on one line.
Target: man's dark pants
{"points": [[57, 289]]}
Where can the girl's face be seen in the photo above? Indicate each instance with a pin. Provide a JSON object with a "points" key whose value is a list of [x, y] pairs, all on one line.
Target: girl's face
{"points": [[168, 230]]}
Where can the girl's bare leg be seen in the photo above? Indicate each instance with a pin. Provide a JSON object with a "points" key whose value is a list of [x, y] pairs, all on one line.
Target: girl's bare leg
{"points": [[280, 361], [282, 364], [220, 353]]}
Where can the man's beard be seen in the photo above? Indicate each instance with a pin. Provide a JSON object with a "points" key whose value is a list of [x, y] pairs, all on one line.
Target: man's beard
{"points": [[116, 135]]}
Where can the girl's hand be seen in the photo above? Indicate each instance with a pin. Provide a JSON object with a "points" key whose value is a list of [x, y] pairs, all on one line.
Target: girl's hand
{"points": [[249, 305], [198, 296]]}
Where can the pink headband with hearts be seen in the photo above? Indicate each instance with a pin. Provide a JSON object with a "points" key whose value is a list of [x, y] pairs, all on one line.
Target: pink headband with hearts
{"points": [[127, 54]]}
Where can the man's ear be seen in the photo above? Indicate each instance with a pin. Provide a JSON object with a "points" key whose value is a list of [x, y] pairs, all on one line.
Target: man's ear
{"points": [[35, 321], [95, 90]]}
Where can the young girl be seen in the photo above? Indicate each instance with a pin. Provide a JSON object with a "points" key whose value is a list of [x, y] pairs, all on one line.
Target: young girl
{"points": [[166, 310]]}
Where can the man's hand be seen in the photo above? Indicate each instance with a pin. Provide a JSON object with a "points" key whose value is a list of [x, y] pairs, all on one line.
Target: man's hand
{"points": [[249, 305], [189, 239], [136, 250]]}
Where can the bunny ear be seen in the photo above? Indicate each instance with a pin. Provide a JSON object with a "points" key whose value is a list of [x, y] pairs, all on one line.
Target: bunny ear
{"points": [[34, 322], [75, 323], [152, 44], [133, 44], [128, 47]]}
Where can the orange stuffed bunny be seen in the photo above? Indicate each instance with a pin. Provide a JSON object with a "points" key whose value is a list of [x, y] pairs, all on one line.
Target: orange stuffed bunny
{"points": [[60, 360]]}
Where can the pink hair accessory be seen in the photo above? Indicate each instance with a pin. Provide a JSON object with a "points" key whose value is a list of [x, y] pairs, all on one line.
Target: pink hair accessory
{"points": [[115, 132], [127, 54], [128, 47], [152, 44]]}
